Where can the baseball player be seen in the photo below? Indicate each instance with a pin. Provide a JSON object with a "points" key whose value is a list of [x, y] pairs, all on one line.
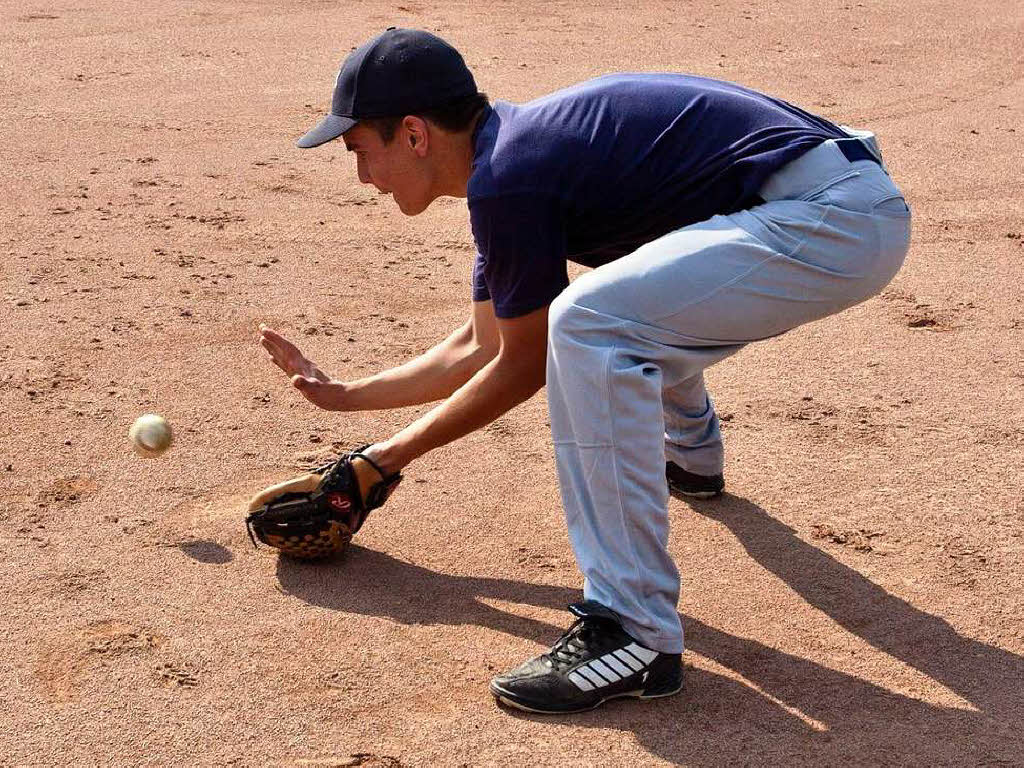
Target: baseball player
{"points": [[713, 216]]}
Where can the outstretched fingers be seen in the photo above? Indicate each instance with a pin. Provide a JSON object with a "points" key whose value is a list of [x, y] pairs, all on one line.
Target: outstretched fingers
{"points": [[304, 374], [285, 355], [274, 342], [274, 352], [270, 334]]}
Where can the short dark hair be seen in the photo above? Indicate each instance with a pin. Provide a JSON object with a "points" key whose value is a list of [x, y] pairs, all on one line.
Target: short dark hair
{"points": [[453, 118]]}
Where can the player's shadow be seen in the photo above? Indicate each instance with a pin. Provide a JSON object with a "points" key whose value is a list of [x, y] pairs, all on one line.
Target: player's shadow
{"points": [[785, 710], [989, 678], [820, 715], [372, 583], [782, 709]]}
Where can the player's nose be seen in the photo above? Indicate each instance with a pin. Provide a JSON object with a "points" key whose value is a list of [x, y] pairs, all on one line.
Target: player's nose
{"points": [[363, 171]]}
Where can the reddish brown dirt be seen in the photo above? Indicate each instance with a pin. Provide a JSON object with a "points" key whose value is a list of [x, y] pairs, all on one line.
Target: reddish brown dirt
{"points": [[855, 599]]}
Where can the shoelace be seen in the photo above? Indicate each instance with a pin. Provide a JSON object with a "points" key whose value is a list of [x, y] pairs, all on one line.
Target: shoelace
{"points": [[571, 645]]}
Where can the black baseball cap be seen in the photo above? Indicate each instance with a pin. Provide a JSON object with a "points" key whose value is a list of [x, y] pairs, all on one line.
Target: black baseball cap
{"points": [[399, 72]]}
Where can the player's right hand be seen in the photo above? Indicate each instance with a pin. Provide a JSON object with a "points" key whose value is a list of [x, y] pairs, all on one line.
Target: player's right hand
{"points": [[315, 385]]}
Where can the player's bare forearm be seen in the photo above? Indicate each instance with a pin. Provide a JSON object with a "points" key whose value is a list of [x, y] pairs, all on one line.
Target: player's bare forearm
{"points": [[434, 375], [515, 374], [501, 385]]}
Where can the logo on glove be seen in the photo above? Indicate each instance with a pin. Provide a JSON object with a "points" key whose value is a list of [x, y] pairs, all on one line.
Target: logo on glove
{"points": [[339, 501]]}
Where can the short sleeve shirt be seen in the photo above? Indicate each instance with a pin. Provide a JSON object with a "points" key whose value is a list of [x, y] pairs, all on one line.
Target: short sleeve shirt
{"points": [[592, 172]]}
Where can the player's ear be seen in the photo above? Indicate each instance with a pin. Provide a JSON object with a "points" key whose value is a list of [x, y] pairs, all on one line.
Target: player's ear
{"points": [[416, 134]]}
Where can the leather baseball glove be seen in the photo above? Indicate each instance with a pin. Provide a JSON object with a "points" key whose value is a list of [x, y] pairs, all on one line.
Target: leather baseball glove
{"points": [[316, 514]]}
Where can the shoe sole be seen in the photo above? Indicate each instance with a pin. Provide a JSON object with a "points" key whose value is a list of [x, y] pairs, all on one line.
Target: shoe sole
{"points": [[694, 494], [504, 697]]}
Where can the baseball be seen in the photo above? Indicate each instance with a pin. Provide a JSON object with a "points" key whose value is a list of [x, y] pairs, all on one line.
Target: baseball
{"points": [[150, 435]]}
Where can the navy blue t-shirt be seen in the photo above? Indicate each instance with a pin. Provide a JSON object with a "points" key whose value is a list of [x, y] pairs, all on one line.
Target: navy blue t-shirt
{"points": [[592, 172]]}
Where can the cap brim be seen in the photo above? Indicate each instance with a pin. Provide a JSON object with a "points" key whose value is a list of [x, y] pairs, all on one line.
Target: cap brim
{"points": [[331, 127]]}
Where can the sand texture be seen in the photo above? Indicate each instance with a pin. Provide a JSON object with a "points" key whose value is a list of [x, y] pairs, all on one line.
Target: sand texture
{"points": [[854, 600]]}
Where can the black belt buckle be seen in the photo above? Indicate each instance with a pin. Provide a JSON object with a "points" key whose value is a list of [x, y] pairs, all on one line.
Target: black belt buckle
{"points": [[854, 150]]}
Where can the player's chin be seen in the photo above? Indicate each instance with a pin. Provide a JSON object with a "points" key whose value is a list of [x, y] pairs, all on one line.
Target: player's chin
{"points": [[411, 207]]}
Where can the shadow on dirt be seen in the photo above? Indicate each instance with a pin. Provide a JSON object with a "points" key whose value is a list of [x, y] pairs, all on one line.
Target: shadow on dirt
{"points": [[372, 583], [791, 710], [206, 552]]}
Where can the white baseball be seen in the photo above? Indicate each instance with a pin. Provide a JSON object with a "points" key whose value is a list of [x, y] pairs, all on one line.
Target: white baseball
{"points": [[151, 435]]}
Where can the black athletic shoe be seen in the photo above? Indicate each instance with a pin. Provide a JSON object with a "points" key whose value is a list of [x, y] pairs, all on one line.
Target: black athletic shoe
{"points": [[688, 484], [595, 660]]}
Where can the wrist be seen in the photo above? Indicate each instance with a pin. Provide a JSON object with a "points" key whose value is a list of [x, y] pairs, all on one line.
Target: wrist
{"points": [[338, 398], [355, 395], [390, 456]]}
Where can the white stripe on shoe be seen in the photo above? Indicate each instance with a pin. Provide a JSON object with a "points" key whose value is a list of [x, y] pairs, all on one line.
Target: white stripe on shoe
{"points": [[605, 671], [580, 681], [612, 667], [629, 660], [612, 661], [591, 676], [646, 655]]}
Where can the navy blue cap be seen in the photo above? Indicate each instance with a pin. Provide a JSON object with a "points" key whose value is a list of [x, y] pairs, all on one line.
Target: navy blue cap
{"points": [[399, 72]]}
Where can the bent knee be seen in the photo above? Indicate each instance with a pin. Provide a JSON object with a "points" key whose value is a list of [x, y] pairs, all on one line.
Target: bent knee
{"points": [[560, 318], [577, 308], [569, 320]]}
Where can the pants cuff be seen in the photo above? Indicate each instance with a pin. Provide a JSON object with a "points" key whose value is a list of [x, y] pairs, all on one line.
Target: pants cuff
{"points": [[656, 641]]}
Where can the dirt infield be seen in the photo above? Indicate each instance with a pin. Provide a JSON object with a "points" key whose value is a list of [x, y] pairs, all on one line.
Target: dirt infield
{"points": [[854, 599]]}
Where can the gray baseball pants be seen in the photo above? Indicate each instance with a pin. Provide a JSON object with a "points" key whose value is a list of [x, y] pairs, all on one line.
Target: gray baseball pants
{"points": [[629, 341]]}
